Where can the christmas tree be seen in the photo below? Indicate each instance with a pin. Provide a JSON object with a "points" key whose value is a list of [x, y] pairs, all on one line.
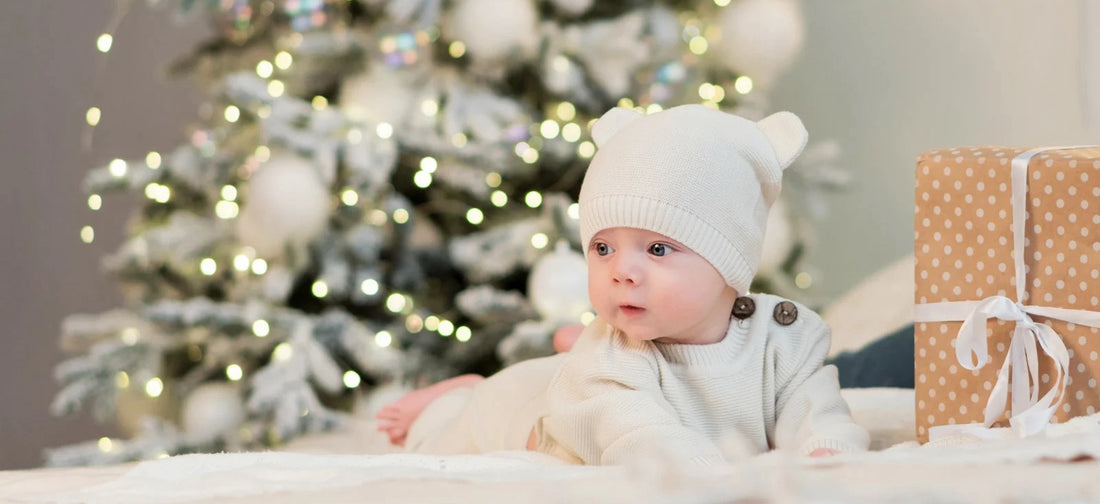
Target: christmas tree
{"points": [[383, 191]]}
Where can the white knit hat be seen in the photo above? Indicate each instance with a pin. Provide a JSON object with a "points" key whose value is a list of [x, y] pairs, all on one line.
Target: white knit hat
{"points": [[702, 177]]}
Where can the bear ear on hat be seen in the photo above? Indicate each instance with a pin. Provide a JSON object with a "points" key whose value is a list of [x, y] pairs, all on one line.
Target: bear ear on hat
{"points": [[786, 134], [611, 122]]}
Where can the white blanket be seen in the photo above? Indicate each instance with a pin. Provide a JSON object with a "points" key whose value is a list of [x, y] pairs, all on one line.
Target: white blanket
{"points": [[1062, 466]]}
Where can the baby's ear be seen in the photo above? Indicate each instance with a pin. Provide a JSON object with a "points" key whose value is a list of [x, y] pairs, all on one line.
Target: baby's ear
{"points": [[786, 134], [611, 122]]}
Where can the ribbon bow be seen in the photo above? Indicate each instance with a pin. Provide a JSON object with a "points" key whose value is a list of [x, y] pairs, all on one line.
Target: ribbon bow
{"points": [[1030, 414]]}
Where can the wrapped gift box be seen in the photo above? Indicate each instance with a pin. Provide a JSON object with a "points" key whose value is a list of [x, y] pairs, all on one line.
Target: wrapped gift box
{"points": [[966, 260]]}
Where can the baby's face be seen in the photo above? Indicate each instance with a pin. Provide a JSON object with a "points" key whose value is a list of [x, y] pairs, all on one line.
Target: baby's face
{"points": [[652, 287]]}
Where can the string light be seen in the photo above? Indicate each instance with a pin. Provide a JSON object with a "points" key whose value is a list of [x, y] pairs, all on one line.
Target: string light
{"points": [[429, 107], [261, 328], [259, 266], [743, 84], [129, 336], [533, 199], [369, 286], [574, 211], [396, 302], [226, 209], [262, 153], [319, 289], [539, 240], [283, 60], [319, 103], [566, 111], [653, 108], [498, 198], [422, 179], [377, 217], [349, 197], [92, 116], [431, 322], [264, 69], [87, 234], [474, 216], [493, 179], [104, 42], [152, 160], [401, 216], [571, 132], [624, 102], [282, 352], [413, 323], [586, 149], [117, 167], [457, 49], [95, 202], [587, 317], [122, 380], [275, 88], [104, 444], [154, 387], [803, 280], [208, 266], [241, 262], [383, 339], [721, 3], [234, 372], [463, 334], [458, 139], [352, 379], [429, 164], [530, 156], [446, 328], [229, 193], [549, 128], [384, 130], [232, 113]]}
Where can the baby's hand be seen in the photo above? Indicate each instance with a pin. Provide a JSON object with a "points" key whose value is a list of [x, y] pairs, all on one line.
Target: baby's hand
{"points": [[823, 452]]}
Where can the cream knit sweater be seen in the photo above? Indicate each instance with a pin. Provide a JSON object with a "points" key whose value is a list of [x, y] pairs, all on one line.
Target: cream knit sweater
{"points": [[614, 400]]}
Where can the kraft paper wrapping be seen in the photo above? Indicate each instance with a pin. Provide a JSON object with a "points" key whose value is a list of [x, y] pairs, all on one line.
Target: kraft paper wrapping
{"points": [[964, 252]]}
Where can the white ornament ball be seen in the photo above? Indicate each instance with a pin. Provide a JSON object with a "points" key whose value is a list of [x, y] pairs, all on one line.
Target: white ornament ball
{"points": [[286, 205], [494, 30], [760, 38], [778, 240], [212, 410], [558, 286], [379, 95]]}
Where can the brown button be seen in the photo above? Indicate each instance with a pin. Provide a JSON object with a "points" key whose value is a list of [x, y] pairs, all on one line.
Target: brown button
{"points": [[785, 313], [743, 307]]}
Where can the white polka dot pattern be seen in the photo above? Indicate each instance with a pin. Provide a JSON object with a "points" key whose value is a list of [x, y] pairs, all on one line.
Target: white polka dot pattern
{"points": [[963, 245]]}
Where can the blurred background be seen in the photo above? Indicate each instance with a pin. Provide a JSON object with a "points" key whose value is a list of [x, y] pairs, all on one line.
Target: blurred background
{"points": [[883, 80]]}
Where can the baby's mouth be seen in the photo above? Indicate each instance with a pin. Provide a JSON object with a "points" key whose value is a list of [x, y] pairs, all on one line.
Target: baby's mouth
{"points": [[631, 310]]}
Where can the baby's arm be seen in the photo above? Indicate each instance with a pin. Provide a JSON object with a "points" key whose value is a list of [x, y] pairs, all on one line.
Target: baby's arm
{"points": [[812, 417], [605, 408]]}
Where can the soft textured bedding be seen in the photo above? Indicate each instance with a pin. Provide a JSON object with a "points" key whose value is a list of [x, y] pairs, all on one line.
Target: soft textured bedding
{"points": [[1060, 467], [357, 464]]}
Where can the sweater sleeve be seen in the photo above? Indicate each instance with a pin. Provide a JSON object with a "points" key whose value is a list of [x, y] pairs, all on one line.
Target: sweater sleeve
{"points": [[810, 412], [605, 408]]}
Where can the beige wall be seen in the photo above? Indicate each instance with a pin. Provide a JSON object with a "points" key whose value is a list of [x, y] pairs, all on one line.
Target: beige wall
{"points": [[48, 61], [887, 79]]}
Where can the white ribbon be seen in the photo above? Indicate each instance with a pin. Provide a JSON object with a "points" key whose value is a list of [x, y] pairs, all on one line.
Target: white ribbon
{"points": [[1030, 414]]}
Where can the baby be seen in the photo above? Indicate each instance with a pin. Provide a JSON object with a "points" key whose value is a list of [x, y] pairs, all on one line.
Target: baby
{"points": [[672, 215]]}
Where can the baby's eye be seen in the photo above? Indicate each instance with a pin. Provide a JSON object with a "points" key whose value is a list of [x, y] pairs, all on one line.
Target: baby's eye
{"points": [[659, 249], [601, 248]]}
